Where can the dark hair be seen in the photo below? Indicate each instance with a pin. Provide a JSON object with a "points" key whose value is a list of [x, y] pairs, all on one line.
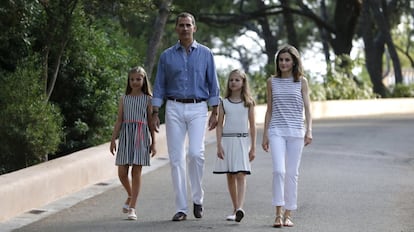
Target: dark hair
{"points": [[185, 15], [146, 87], [297, 69]]}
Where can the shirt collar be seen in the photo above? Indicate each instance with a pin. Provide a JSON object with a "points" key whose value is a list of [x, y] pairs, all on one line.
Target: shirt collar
{"points": [[193, 45]]}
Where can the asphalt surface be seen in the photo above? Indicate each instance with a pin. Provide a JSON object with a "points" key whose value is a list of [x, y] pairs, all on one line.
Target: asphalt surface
{"points": [[357, 175]]}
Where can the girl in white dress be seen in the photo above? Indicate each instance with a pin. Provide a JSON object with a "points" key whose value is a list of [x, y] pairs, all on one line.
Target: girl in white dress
{"points": [[236, 139]]}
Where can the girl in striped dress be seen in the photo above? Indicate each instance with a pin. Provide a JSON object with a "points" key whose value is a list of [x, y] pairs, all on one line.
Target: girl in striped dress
{"points": [[284, 130], [136, 137]]}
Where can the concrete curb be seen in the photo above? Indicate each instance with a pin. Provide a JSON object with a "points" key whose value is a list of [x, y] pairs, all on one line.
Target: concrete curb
{"points": [[42, 184]]}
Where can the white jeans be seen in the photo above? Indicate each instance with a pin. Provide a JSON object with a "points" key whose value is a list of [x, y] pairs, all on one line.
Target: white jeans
{"points": [[286, 154], [182, 119]]}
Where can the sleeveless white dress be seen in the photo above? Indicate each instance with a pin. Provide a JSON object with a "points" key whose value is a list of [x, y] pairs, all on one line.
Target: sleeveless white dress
{"points": [[235, 140]]}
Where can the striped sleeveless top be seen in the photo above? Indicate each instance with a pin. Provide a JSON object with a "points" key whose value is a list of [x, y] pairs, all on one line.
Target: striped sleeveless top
{"points": [[287, 108]]}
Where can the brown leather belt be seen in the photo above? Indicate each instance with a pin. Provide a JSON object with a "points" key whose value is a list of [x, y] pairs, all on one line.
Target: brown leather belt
{"points": [[185, 100]]}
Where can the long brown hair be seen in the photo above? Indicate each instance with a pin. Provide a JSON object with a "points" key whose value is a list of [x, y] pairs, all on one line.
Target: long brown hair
{"points": [[246, 95], [146, 87], [297, 69]]}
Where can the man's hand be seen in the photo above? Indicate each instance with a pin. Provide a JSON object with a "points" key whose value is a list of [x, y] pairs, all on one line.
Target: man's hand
{"points": [[155, 122], [212, 122]]}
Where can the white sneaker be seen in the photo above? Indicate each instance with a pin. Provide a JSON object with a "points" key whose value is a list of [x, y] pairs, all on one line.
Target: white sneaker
{"points": [[231, 217], [131, 214], [125, 208]]}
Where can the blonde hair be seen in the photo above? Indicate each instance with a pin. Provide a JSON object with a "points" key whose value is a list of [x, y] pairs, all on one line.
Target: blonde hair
{"points": [[297, 69], [146, 87], [246, 95]]}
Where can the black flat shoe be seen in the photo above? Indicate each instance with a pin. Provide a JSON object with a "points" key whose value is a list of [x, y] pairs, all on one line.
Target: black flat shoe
{"points": [[198, 211], [180, 216], [239, 215]]}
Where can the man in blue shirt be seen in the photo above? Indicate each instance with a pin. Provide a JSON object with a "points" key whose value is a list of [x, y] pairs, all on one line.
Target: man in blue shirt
{"points": [[187, 80]]}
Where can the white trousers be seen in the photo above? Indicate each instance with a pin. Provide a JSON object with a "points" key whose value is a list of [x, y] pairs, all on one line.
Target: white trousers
{"points": [[182, 119], [286, 154]]}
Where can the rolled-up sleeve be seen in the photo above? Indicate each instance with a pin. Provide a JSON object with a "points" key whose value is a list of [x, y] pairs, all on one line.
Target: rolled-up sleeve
{"points": [[213, 84], [159, 84]]}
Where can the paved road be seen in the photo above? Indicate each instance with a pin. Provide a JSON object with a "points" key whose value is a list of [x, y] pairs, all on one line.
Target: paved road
{"points": [[358, 175]]}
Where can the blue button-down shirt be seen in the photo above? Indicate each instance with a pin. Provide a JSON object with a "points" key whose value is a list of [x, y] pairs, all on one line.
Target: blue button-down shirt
{"points": [[182, 75]]}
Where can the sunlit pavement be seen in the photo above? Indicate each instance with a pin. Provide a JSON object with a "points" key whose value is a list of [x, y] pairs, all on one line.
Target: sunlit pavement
{"points": [[356, 176]]}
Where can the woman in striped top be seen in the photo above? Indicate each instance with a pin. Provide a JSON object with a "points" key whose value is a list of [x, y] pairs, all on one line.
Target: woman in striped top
{"points": [[285, 133], [136, 136]]}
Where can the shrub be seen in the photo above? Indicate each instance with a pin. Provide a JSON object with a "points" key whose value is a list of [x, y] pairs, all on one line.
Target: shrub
{"points": [[30, 126], [342, 84], [402, 90]]}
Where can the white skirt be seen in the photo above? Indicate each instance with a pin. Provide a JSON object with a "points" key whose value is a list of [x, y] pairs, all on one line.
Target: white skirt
{"points": [[236, 156]]}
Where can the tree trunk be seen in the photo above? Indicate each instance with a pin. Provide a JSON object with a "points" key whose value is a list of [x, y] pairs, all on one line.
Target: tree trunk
{"points": [[374, 49], [373, 58], [156, 36], [325, 38], [384, 29], [271, 45], [346, 16], [56, 66], [58, 24], [289, 24]]}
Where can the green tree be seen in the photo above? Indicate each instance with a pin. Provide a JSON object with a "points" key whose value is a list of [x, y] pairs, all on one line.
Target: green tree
{"points": [[15, 40], [83, 67], [377, 21], [54, 28], [31, 127], [339, 86], [333, 22], [92, 76]]}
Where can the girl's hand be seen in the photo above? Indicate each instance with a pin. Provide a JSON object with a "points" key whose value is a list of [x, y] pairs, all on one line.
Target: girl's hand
{"points": [[252, 155], [220, 153], [113, 147], [153, 150]]}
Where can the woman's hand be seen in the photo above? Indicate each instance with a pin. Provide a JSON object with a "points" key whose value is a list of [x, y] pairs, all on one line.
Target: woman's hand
{"points": [[308, 138], [265, 143]]}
